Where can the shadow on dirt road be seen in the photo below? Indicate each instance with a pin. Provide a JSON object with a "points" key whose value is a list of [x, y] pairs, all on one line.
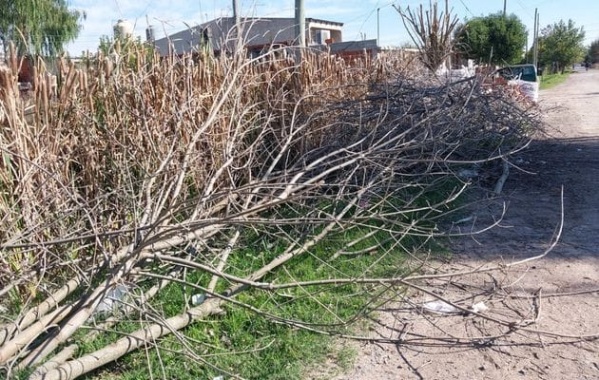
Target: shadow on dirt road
{"points": [[532, 195], [553, 302], [568, 158]]}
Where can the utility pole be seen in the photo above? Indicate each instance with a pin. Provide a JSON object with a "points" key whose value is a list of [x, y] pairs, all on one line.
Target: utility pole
{"points": [[237, 27], [300, 24], [534, 39], [378, 26], [236, 13], [535, 54], [504, 7]]}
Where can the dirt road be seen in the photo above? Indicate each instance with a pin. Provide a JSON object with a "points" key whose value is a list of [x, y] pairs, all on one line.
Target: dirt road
{"points": [[560, 293]]}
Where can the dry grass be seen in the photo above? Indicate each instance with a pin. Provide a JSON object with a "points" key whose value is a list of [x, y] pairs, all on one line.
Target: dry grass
{"points": [[114, 126]]}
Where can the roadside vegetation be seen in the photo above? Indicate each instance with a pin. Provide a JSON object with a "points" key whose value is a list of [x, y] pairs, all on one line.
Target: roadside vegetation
{"points": [[552, 80], [498, 39], [560, 46], [39, 26], [494, 39], [198, 217], [592, 56]]}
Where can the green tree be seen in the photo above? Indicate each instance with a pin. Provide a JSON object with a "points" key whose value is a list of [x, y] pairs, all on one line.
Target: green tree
{"points": [[593, 52], [39, 26], [495, 38], [562, 45]]}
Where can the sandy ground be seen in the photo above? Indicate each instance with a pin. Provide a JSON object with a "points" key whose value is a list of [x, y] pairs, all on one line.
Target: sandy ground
{"points": [[548, 307]]}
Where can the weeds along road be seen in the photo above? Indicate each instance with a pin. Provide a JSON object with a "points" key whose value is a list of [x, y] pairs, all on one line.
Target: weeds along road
{"points": [[564, 285]]}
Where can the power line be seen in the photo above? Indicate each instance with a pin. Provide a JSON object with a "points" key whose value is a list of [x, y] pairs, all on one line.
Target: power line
{"points": [[524, 8], [467, 9], [116, 2]]}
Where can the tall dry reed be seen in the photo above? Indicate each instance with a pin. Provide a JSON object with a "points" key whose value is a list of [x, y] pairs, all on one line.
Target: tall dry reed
{"points": [[75, 162]]}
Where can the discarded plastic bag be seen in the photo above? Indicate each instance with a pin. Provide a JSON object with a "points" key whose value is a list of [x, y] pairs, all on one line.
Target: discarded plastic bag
{"points": [[479, 307], [440, 307], [113, 300], [197, 299]]}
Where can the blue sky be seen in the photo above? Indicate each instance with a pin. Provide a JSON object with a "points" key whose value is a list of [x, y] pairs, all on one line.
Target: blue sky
{"points": [[359, 16]]}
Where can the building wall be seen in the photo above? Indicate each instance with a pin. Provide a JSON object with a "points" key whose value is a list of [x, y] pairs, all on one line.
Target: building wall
{"points": [[257, 33]]}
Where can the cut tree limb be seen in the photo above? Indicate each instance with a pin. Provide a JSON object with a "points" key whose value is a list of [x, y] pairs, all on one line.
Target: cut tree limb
{"points": [[7, 330], [503, 178], [75, 368], [64, 355]]}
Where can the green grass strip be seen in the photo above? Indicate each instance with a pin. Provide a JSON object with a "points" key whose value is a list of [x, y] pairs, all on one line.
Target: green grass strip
{"points": [[551, 80]]}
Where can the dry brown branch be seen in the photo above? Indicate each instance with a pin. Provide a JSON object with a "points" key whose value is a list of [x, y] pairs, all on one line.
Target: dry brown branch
{"points": [[73, 369], [58, 359], [39, 311], [431, 32], [26, 337]]}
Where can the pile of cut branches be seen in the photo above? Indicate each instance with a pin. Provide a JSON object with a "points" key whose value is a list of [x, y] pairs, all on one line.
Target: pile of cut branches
{"points": [[221, 177]]}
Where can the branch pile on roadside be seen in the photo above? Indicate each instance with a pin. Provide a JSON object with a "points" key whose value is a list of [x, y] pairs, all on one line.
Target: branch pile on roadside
{"points": [[221, 177]]}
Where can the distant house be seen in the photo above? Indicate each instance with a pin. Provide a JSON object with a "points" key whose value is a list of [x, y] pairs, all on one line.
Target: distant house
{"points": [[355, 49], [258, 34]]}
